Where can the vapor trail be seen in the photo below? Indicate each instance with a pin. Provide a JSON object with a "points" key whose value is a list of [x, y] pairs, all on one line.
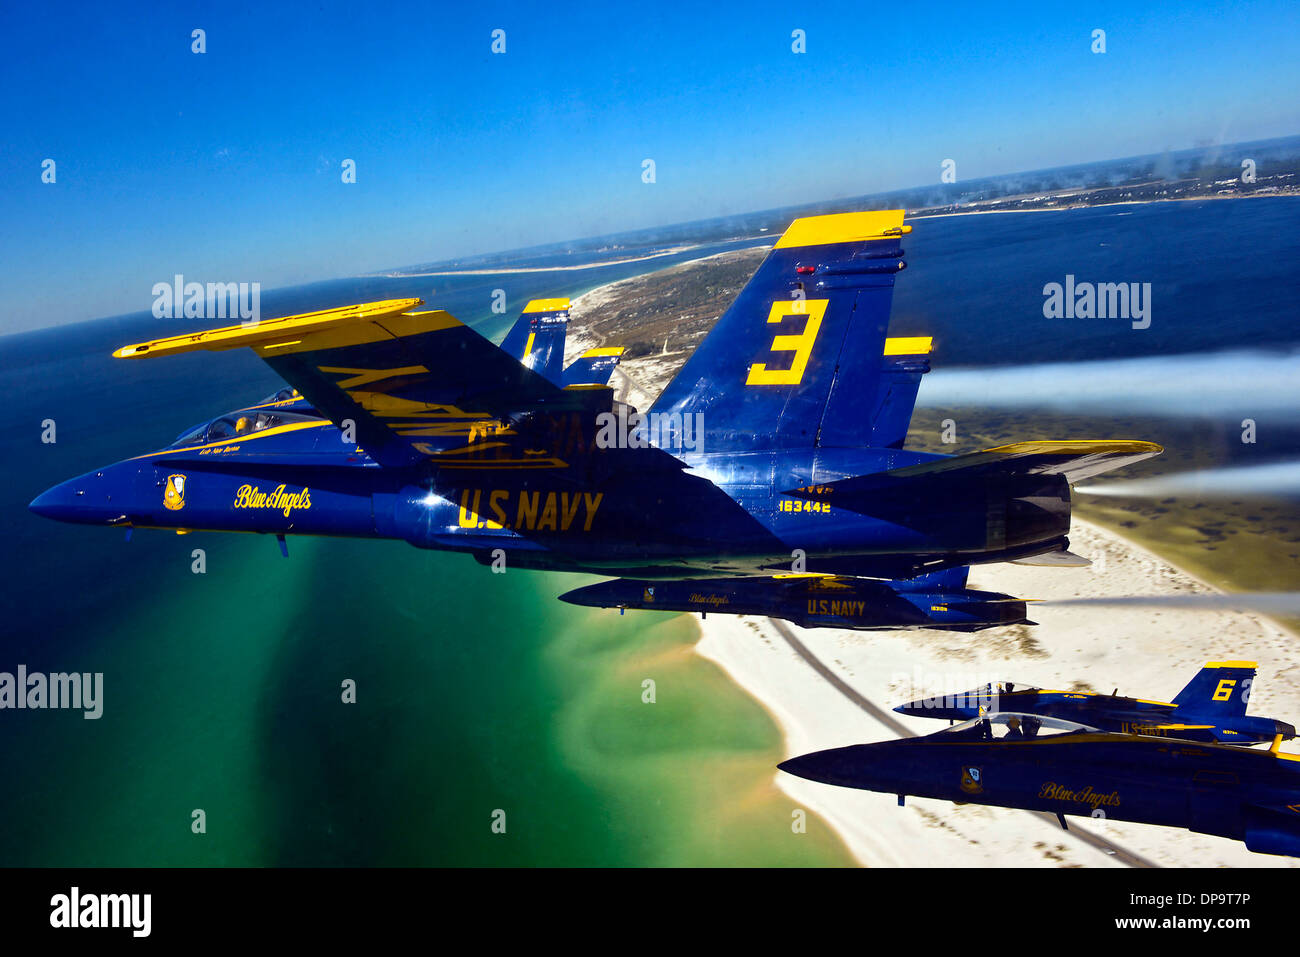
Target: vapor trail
{"points": [[1277, 478], [1237, 384], [1272, 603]]}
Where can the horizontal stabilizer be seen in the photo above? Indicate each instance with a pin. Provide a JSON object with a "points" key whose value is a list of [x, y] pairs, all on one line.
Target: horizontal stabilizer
{"points": [[593, 367], [1074, 460], [949, 579], [1061, 558]]}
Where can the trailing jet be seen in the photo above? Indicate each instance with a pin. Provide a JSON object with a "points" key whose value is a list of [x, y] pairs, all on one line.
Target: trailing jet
{"points": [[404, 423], [1211, 708], [1048, 764], [938, 601]]}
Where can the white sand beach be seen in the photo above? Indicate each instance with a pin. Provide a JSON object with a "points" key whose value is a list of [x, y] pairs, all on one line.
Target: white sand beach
{"points": [[1148, 653]]}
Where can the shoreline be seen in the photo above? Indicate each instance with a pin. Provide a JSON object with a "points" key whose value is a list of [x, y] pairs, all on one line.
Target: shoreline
{"points": [[919, 214], [508, 270]]}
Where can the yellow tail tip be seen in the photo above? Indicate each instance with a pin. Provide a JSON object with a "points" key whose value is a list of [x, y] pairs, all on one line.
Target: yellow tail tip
{"points": [[843, 228]]}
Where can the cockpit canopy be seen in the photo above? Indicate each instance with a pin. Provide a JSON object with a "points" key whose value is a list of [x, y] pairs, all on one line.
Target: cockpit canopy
{"points": [[1014, 726], [1008, 687], [237, 424], [284, 395]]}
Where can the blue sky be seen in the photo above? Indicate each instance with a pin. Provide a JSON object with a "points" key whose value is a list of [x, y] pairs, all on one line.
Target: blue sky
{"points": [[225, 166]]}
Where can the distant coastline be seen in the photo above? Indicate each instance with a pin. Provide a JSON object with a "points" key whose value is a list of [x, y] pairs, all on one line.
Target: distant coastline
{"points": [[399, 274], [1041, 203], [941, 212]]}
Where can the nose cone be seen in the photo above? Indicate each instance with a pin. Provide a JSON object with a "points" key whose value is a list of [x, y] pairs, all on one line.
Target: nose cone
{"points": [[610, 594], [86, 500], [954, 707], [918, 708], [857, 766], [57, 502], [938, 707]]}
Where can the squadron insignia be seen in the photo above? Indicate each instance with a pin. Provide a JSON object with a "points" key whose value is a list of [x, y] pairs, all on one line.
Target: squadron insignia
{"points": [[174, 493]]}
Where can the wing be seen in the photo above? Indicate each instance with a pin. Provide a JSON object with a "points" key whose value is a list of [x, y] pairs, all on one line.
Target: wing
{"points": [[416, 385]]}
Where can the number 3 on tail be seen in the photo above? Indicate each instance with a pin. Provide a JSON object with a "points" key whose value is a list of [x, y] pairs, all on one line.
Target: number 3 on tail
{"points": [[801, 345]]}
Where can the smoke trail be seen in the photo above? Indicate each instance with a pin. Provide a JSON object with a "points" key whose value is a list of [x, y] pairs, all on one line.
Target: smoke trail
{"points": [[1266, 602], [1278, 478], [1220, 384]]}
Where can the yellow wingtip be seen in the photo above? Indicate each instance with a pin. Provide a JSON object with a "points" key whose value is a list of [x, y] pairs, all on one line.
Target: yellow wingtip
{"points": [[268, 330]]}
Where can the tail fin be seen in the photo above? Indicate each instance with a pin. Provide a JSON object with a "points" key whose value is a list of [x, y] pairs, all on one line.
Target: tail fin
{"points": [[905, 361], [949, 579], [796, 359], [593, 367], [1221, 688], [537, 337]]}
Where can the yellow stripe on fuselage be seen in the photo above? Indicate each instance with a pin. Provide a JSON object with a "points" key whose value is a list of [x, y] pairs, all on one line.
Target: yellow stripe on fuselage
{"points": [[261, 434]]}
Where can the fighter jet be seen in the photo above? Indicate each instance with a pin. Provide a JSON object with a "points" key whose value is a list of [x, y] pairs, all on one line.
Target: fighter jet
{"points": [[1049, 764], [1211, 708], [777, 449], [939, 601]]}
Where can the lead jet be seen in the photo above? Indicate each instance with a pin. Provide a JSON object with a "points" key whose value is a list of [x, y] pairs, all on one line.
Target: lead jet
{"points": [[1211, 708], [404, 423], [1048, 764]]}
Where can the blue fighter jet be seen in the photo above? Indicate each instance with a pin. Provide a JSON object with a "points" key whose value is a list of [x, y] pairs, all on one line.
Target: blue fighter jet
{"points": [[1048, 764], [1211, 708], [404, 423]]}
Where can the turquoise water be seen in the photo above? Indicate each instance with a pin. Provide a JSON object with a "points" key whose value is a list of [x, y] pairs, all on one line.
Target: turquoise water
{"points": [[222, 691]]}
